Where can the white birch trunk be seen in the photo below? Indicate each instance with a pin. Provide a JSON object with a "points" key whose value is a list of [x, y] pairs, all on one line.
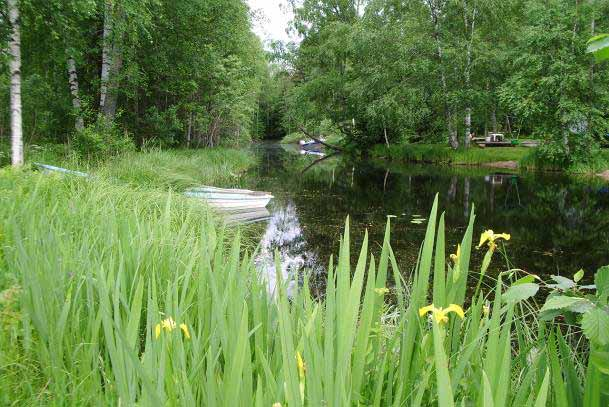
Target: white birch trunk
{"points": [[15, 72], [106, 55], [76, 103], [452, 133], [109, 109], [468, 126], [468, 66]]}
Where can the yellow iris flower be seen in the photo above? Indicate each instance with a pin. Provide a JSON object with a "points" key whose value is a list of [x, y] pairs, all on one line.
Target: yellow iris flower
{"points": [[455, 257], [381, 291], [301, 373], [490, 237], [301, 365], [169, 325], [441, 314]]}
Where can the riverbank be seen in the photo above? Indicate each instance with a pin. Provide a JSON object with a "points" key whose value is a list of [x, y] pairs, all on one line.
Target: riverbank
{"points": [[444, 155], [504, 158], [175, 169]]}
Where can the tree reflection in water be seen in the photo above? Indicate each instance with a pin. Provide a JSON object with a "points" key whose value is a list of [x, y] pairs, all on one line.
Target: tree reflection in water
{"points": [[558, 224], [284, 235]]}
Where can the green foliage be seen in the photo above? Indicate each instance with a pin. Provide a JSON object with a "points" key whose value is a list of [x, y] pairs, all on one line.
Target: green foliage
{"points": [[410, 73], [101, 140], [188, 72], [572, 301]]}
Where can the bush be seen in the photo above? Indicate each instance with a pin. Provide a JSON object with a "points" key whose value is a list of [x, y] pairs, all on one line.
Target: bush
{"points": [[582, 155], [102, 139]]}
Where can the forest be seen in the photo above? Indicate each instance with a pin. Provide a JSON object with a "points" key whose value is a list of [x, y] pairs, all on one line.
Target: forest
{"points": [[117, 74], [436, 71], [113, 74]]}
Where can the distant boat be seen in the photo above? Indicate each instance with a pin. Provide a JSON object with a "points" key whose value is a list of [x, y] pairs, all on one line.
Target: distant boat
{"points": [[51, 168], [230, 199]]}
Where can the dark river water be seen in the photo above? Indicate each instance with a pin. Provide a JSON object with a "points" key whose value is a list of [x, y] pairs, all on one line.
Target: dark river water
{"points": [[558, 224]]}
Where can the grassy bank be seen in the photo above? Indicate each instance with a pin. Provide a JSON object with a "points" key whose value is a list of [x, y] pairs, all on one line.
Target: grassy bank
{"points": [[523, 157], [180, 169], [162, 169], [442, 154], [112, 295]]}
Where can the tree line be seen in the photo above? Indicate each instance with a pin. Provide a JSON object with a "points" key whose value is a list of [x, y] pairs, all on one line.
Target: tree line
{"points": [[138, 71], [438, 71]]}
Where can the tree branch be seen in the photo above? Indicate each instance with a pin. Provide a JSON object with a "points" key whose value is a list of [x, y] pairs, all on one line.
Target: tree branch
{"points": [[302, 129]]}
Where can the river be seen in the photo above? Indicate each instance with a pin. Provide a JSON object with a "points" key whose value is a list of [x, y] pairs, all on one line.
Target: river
{"points": [[558, 224]]}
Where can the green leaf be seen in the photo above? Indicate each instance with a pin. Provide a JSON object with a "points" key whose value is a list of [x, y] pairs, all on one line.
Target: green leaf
{"points": [[601, 280], [599, 46], [526, 279], [578, 276], [520, 292], [595, 325], [562, 283], [542, 397], [600, 360], [563, 302]]}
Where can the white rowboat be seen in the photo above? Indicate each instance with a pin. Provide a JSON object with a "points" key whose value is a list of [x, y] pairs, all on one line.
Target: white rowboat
{"points": [[230, 199]]}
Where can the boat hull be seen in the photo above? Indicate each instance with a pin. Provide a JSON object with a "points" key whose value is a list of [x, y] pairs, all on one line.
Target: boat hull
{"points": [[230, 199]]}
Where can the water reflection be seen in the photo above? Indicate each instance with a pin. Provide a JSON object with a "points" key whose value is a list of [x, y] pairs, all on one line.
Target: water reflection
{"points": [[558, 224], [284, 236]]}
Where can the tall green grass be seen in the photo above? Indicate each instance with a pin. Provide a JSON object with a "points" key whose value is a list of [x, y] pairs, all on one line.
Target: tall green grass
{"points": [[179, 169], [90, 268], [175, 169]]}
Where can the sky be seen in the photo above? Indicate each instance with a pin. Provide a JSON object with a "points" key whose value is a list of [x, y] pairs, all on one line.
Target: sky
{"points": [[272, 19]]}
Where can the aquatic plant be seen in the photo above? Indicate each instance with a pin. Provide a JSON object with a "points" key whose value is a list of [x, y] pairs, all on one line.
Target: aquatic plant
{"points": [[122, 296]]}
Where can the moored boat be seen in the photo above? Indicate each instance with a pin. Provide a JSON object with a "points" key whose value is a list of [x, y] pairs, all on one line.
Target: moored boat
{"points": [[230, 199]]}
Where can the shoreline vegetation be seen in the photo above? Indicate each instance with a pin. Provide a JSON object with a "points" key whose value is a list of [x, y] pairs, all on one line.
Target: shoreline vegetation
{"points": [[173, 169], [152, 303], [509, 158], [505, 158]]}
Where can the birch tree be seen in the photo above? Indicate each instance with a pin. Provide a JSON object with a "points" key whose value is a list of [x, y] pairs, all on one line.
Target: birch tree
{"points": [[469, 19], [436, 8], [106, 55], [15, 87], [74, 90]]}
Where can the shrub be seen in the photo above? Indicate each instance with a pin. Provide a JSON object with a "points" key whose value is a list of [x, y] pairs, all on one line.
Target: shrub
{"points": [[102, 139]]}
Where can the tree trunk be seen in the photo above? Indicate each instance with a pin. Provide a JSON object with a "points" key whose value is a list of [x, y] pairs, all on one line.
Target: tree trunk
{"points": [[189, 133], [494, 119], [106, 55], [468, 126], [15, 72], [452, 133], [76, 103], [113, 85], [469, 26]]}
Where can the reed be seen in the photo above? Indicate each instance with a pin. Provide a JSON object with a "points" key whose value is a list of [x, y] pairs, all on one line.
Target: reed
{"points": [[112, 295]]}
